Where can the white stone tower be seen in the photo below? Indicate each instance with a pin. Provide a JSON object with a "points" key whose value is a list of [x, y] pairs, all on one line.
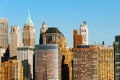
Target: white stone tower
{"points": [[84, 33], [44, 27]]}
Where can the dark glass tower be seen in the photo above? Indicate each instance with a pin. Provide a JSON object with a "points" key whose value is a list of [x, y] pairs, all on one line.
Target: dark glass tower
{"points": [[117, 58]]}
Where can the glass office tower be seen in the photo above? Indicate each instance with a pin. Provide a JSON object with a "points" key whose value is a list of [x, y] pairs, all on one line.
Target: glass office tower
{"points": [[46, 62]]}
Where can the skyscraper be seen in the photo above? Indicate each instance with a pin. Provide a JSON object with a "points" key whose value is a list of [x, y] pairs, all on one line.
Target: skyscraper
{"points": [[117, 58], [85, 57], [84, 33], [4, 33], [14, 41], [29, 32], [66, 64], [42, 31], [25, 54], [47, 62], [12, 70], [52, 35], [85, 63], [105, 63], [66, 59]]}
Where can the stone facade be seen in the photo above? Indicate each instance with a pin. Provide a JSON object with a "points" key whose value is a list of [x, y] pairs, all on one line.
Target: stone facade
{"points": [[106, 63], [42, 31], [77, 39], [25, 54], [29, 32], [14, 41], [66, 64], [2, 51], [44, 28], [12, 70], [82, 38], [28, 36], [51, 36], [4, 33], [66, 58], [85, 63], [84, 33]]}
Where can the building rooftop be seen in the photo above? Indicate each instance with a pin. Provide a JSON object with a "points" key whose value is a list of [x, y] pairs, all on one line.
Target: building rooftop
{"points": [[53, 30]]}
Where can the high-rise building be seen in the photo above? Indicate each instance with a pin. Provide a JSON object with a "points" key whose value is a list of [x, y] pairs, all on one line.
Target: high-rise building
{"points": [[14, 41], [51, 36], [29, 32], [117, 58], [42, 31], [47, 62], [85, 63], [77, 39], [2, 51], [25, 54], [66, 58], [12, 70], [85, 57], [105, 63], [66, 64], [84, 33], [4, 33]]}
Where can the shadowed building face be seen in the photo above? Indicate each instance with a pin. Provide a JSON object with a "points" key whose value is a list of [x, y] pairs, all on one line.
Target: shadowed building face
{"points": [[117, 58]]}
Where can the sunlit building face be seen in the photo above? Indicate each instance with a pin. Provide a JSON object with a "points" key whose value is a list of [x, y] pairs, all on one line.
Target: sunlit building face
{"points": [[4, 33], [46, 61], [85, 64]]}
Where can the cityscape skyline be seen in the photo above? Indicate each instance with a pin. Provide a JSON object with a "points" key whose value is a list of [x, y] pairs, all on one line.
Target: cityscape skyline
{"points": [[59, 40], [102, 17], [72, 64]]}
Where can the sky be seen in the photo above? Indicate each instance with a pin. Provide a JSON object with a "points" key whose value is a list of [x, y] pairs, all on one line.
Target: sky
{"points": [[102, 17]]}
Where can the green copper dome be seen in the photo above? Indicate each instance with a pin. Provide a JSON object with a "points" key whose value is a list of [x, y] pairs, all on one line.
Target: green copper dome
{"points": [[28, 20]]}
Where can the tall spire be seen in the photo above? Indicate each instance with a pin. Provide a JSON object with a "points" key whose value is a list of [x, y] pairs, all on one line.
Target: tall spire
{"points": [[28, 20]]}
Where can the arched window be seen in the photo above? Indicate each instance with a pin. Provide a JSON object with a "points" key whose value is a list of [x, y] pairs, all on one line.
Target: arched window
{"points": [[13, 29]]}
